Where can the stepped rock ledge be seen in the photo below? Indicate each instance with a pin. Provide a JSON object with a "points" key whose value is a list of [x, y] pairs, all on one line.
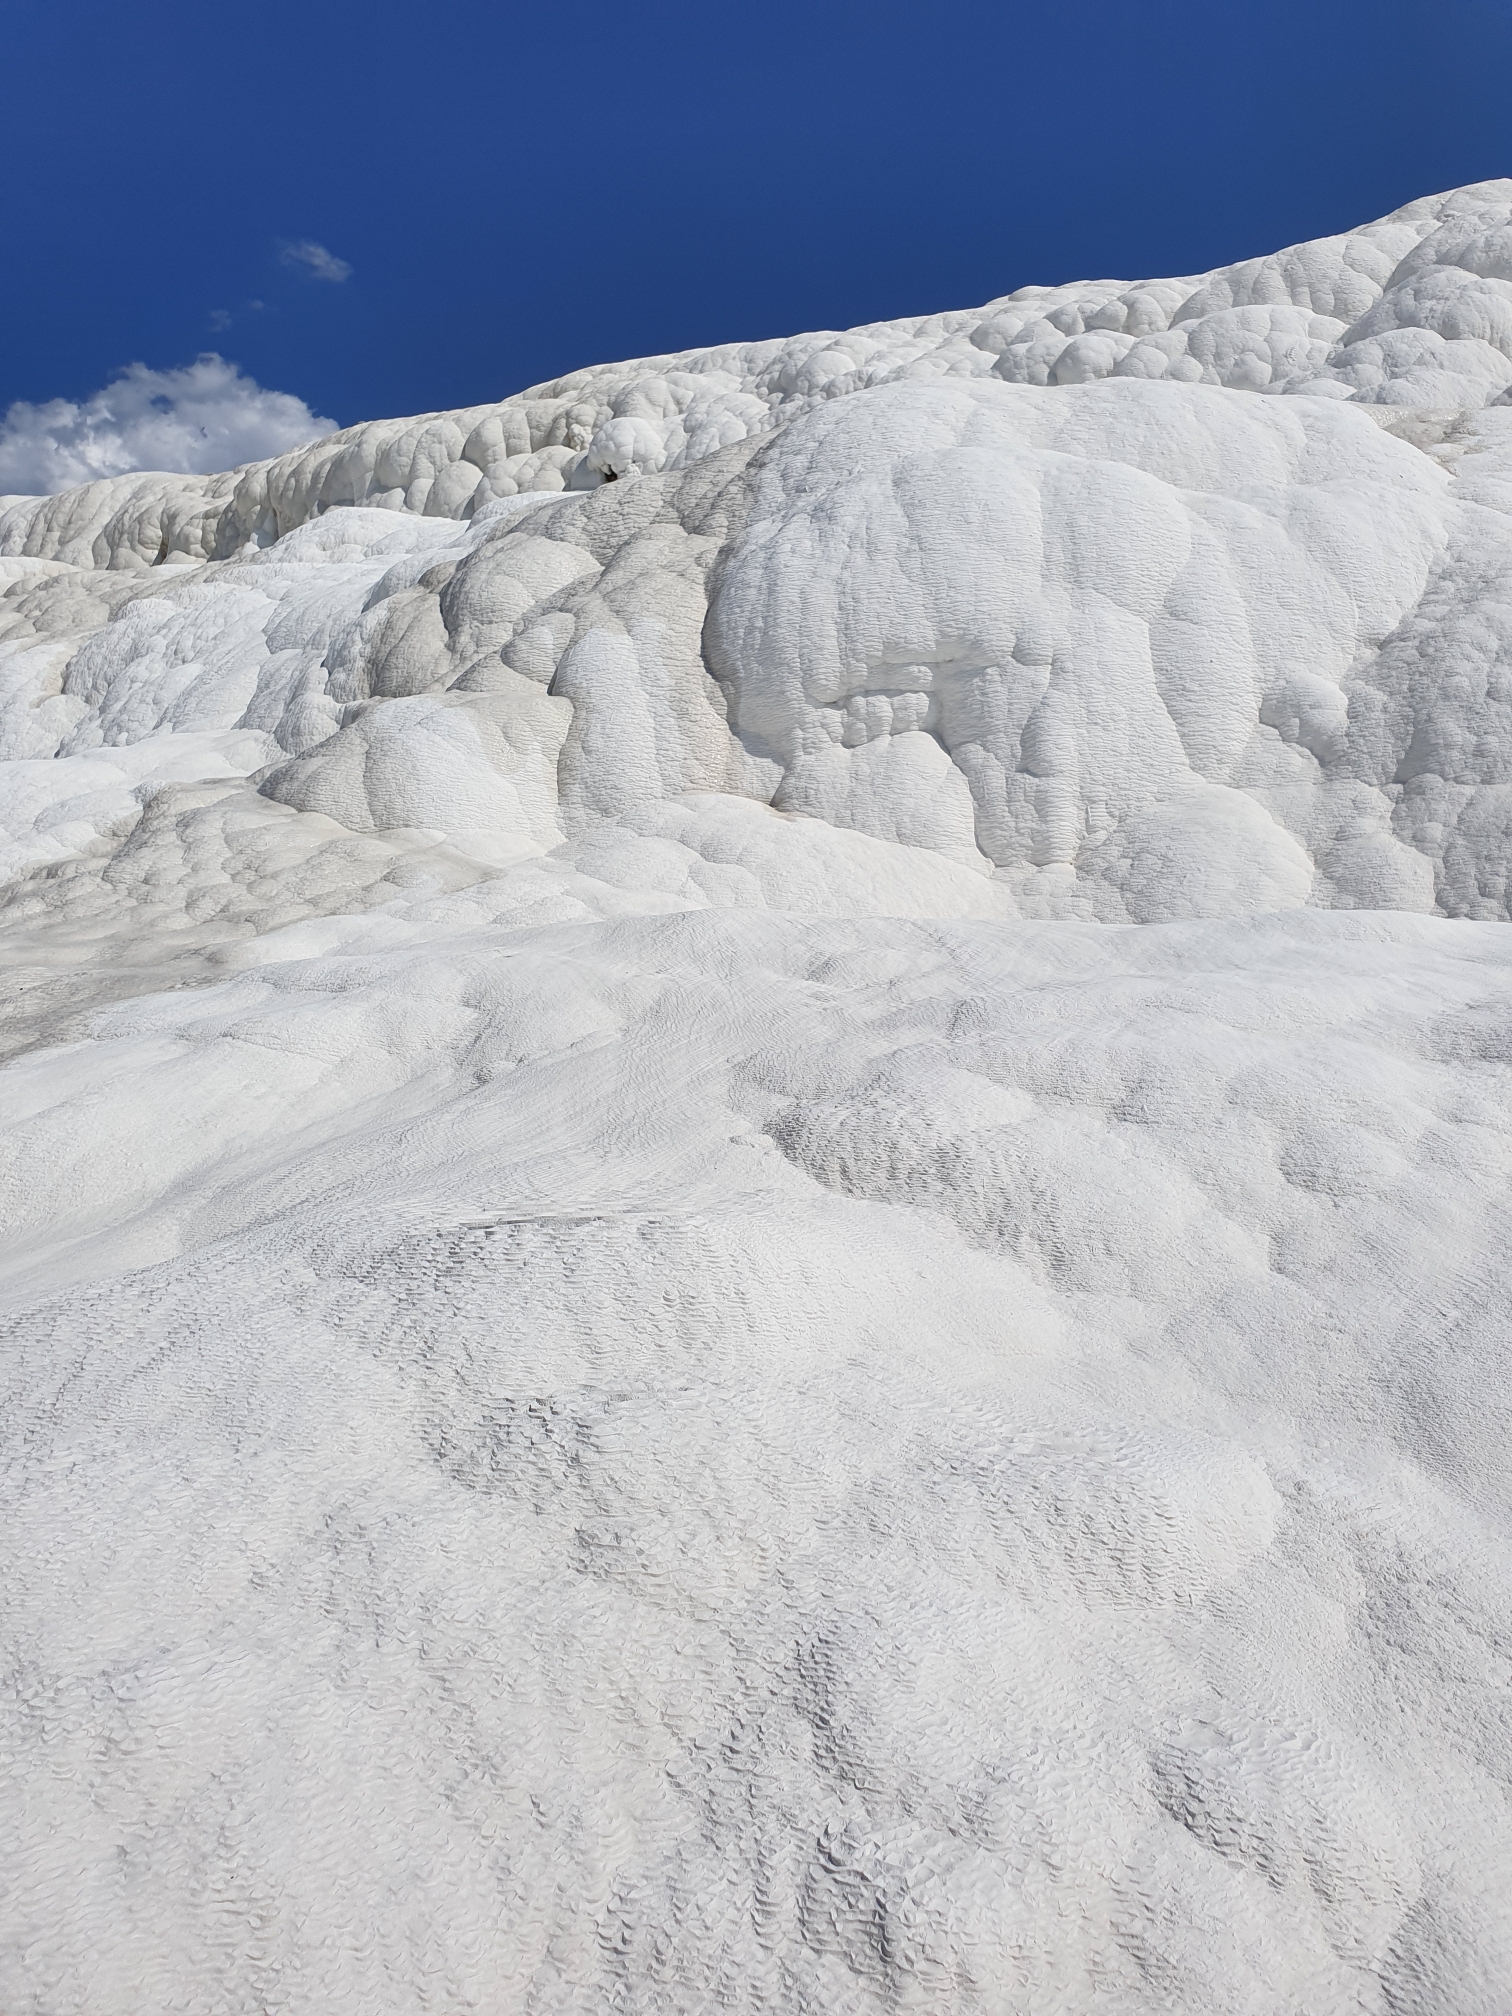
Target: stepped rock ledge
{"points": [[756, 1185]]}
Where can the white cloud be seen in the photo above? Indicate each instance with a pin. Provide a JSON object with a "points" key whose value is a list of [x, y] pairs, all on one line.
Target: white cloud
{"points": [[322, 264], [206, 416], [222, 318]]}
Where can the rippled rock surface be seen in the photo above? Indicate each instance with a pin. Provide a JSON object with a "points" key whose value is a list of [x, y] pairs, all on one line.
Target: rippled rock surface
{"points": [[755, 1192]]}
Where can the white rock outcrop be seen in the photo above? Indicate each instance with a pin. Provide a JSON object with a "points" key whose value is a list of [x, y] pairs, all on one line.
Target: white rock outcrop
{"points": [[757, 1166], [1414, 310]]}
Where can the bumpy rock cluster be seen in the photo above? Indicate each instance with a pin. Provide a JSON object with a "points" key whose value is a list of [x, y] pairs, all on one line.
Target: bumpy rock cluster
{"points": [[1059, 594], [754, 1211], [1414, 310]]}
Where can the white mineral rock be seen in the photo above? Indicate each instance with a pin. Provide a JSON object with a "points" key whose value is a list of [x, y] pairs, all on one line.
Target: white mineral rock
{"points": [[756, 1187]]}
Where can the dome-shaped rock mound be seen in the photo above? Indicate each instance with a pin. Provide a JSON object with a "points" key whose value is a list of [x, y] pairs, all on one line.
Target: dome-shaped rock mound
{"points": [[757, 1173]]}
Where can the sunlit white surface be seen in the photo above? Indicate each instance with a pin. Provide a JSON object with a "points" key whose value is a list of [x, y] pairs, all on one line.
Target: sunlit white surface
{"points": [[753, 1221]]}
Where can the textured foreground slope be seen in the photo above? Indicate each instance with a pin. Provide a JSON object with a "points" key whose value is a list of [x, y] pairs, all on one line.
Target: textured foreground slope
{"points": [[755, 1218]]}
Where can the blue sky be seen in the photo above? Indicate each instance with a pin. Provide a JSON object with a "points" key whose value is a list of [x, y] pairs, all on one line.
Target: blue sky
{"points": [[520, 189]]}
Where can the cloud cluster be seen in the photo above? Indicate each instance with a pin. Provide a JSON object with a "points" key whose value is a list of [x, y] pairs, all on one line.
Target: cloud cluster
{"points": [[206, 416], [317, 261]]}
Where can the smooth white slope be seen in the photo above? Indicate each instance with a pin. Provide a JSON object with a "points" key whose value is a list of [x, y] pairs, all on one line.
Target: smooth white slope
{"points": [[752, 1463], [929, 1436]]}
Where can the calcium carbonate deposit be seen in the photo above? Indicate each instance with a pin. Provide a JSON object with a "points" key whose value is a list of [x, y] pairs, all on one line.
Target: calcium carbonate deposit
{"points": [[756, 1182]]}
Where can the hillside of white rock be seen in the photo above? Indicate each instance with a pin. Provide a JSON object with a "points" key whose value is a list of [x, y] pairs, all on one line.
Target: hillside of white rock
{"points": [[756, 1175]]}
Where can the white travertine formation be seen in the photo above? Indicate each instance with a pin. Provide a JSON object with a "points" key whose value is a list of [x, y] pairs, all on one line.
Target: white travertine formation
{"points": [[1414, 310], [753, 1220]]}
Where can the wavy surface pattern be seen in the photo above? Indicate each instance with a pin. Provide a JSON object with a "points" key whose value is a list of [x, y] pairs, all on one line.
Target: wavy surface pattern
{"points": [[755, 1199]]}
